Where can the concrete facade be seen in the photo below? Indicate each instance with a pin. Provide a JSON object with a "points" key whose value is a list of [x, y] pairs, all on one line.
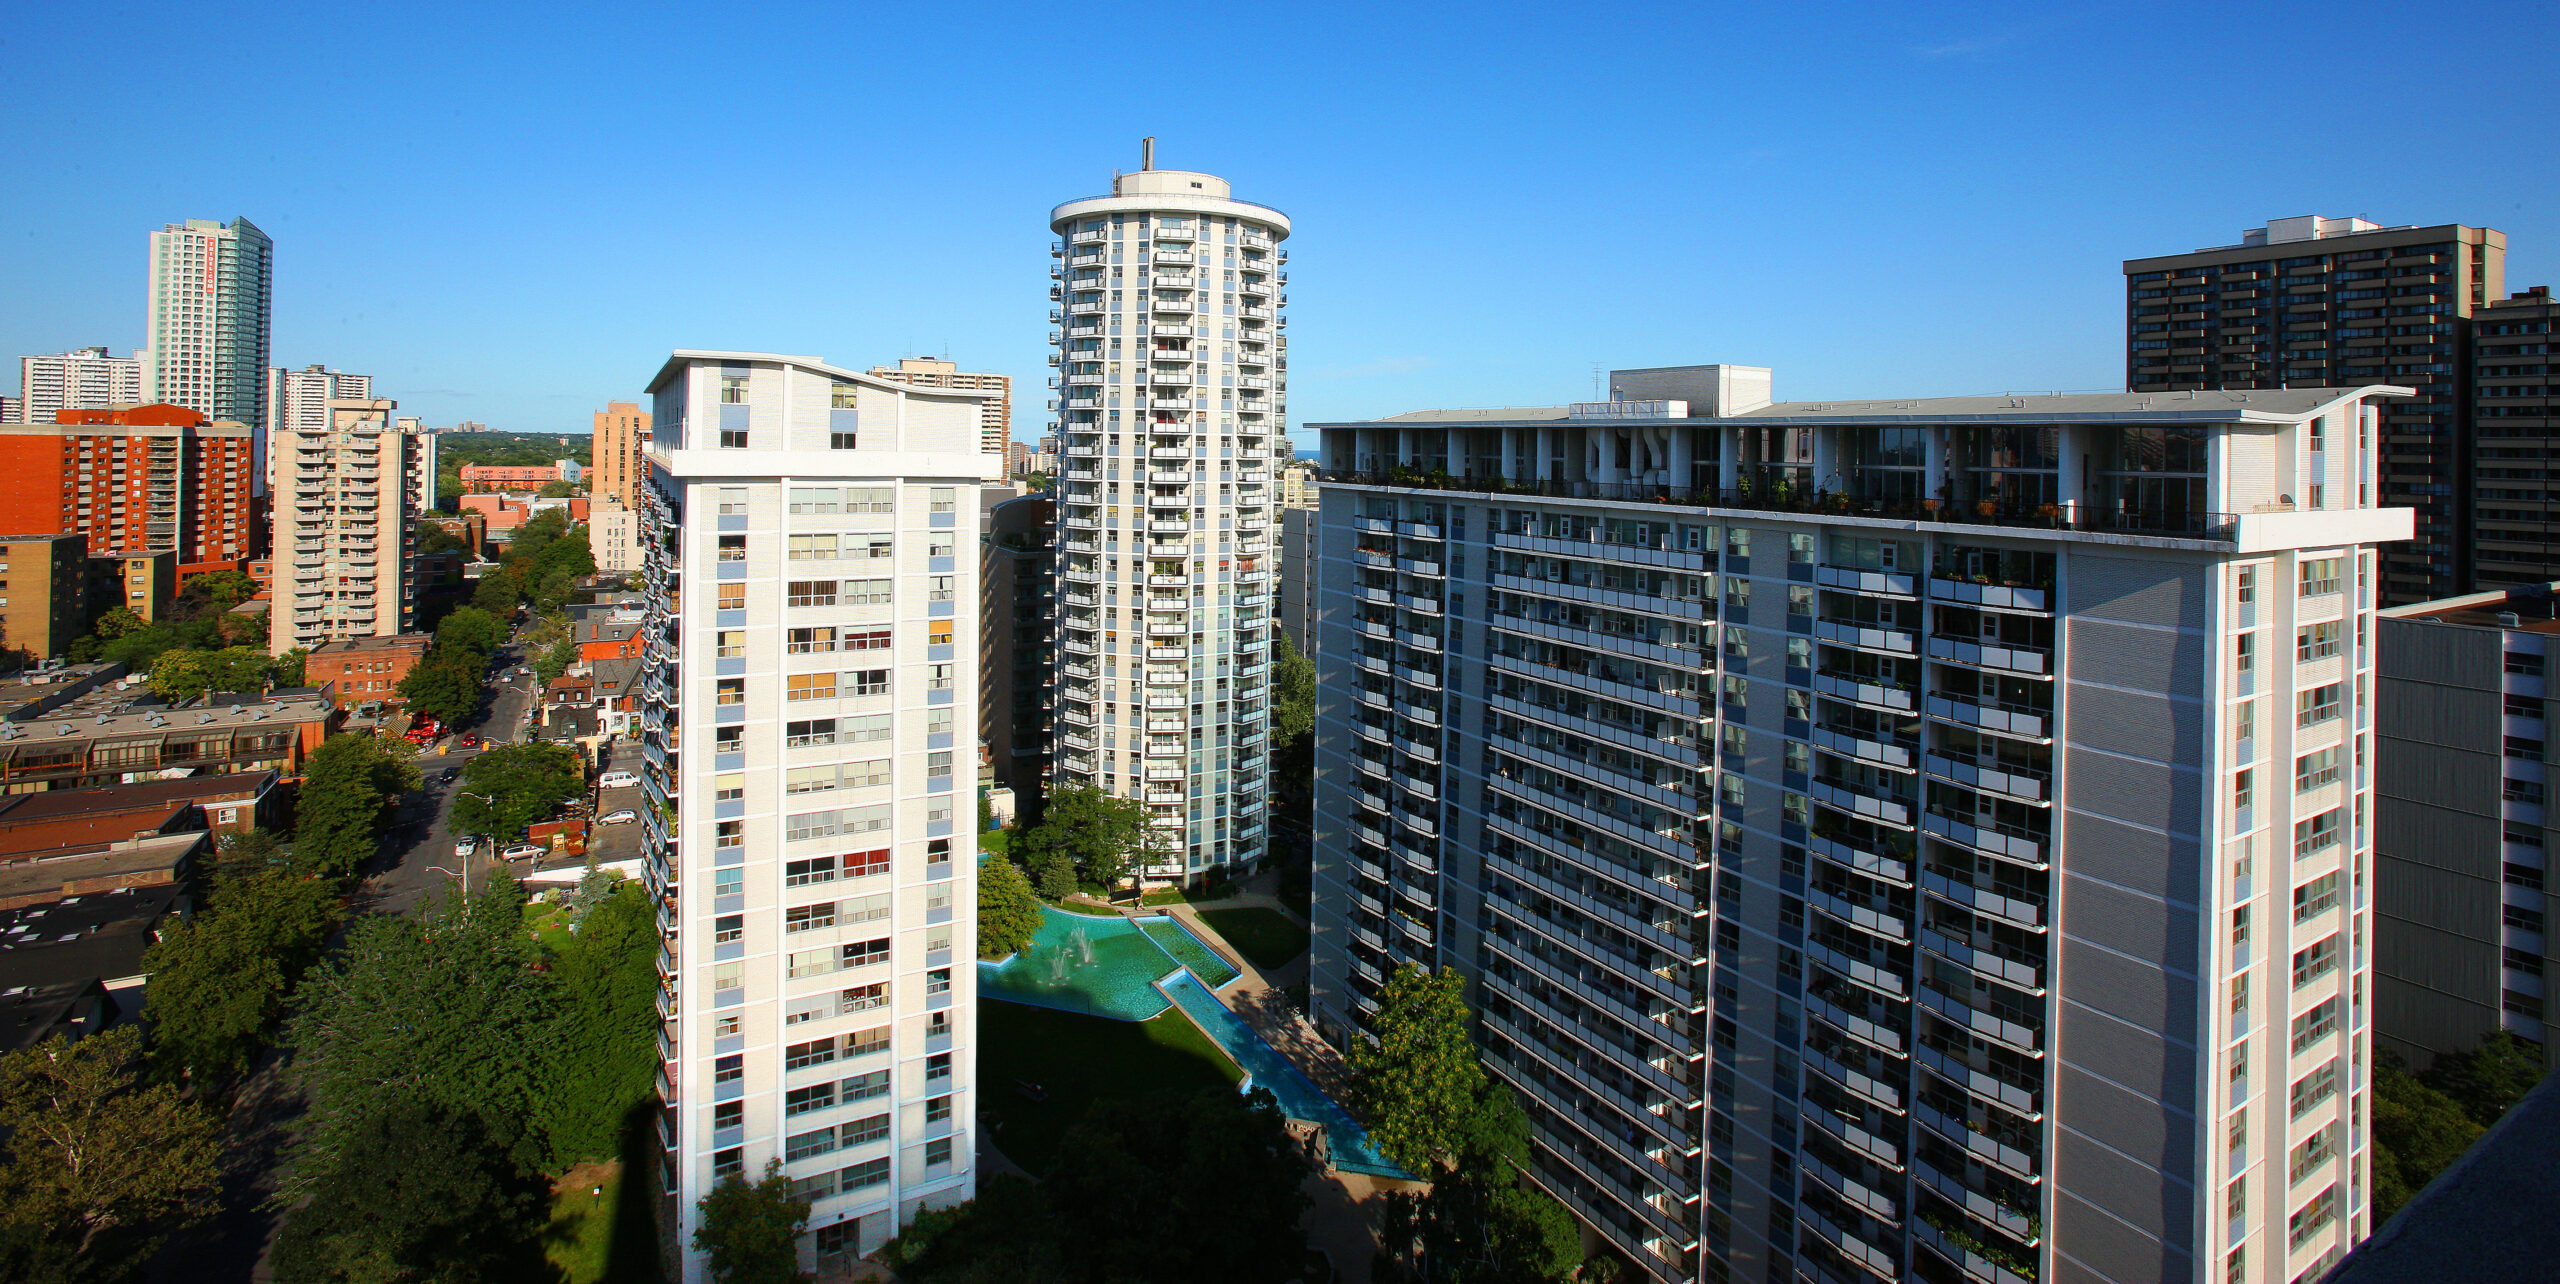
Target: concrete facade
{"points": [[812, 686], [1878, 848], [620, 453], [85, 379], [136, 478], [1174, 358], [1017, 660], [211, 298], [345, 558], [995, 422], [2515, 424]]}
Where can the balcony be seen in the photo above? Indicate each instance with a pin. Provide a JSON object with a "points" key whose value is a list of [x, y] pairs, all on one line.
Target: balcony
{"points": [[1866, 637], [2007, 780], [2021, 721], [1872, 695], [1884, 583], [2007, 842], [1857, 801], [2031, 661]]}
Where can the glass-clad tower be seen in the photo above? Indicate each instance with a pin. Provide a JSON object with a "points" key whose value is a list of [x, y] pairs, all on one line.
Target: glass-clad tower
{"points": [[1172, 365]]}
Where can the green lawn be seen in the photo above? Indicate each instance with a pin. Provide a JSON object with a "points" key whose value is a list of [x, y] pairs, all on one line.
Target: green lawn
{"points": [[996, 842], [549, 926], [599, 1239], [1079, 1059], [1266, 936]]}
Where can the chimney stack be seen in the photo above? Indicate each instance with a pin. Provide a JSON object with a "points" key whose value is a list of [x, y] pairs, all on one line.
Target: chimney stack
{"points": [[1147, 153]]}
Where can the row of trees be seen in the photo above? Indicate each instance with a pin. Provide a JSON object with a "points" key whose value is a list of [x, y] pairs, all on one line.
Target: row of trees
{"points": [[197, 646], [1087, 840], [450, 678], [512, 786], [542, 566], [2423, 1122]]}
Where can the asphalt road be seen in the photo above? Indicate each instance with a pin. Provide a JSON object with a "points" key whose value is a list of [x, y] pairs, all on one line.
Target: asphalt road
{"points": [[419, 854]]}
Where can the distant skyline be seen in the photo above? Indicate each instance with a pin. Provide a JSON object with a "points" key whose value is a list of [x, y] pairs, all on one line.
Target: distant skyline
{"points": [[1490, 202]]}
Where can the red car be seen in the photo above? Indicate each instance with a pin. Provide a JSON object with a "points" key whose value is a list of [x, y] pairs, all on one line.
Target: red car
{"points": [[471, 741]]}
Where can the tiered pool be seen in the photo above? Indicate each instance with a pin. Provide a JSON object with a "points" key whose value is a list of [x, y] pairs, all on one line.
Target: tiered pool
{"points": [[1133, 969], [1101, 966]]}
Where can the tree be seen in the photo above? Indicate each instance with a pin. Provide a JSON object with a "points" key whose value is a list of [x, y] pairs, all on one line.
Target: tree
{"points": [[751, 1233], [605, 1028], [496, 593], [1008, 912], [100, 1163], [211, 594], [289, 666], [441, 1008], [1178, 1188], [420, 1194], [119, 621], [2417, 1133], [447, 681], [1417, 1085], [554, 661], [178, 676], [221, 982], [1055, 873], [433, 538], [1293, 692], [181, 675], [473, 630], [556, 490], [1481, 1223], [2493, 1075], [513, 786], [1105, 836], [245, 628], [348, 786]]}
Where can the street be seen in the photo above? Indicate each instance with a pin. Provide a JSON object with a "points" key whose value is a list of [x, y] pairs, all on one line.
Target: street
{"points": [[421, 834]]}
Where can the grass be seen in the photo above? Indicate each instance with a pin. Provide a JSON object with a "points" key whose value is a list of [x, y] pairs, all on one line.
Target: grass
{"points": [[998, 842], [1079, 1060], [549, 925], [1266, 936], [593, 1238]]}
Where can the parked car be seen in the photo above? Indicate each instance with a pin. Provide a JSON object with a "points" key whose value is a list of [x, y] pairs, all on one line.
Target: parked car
{"points": [[618, 780], [623, 817], [471, 741], [467, 845], [524, 851]]}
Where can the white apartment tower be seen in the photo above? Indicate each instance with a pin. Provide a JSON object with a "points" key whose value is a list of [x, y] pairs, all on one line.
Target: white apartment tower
{"points": [[210, 291], [810, 558], [1173, 361], [1905, 840], [87, 379], [343, 552], [300, 398], [995, 423]]}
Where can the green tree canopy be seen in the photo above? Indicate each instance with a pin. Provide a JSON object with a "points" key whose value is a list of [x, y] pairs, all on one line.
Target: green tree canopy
{"points": [[605, 1028], [473, 630], [513, 786], [447, 681], [751, 1232], [1105, 836], [212, 593], [496, 593], [554, 661], [1481, 1223], [100, 1163], [220, 982], [556, 490], [1008, 911], [1293, 692], [1416, 1087], [2417, 1133], [2494, 1075], [440, 1008], [348, 786], [419, 1194], [180, 675]]}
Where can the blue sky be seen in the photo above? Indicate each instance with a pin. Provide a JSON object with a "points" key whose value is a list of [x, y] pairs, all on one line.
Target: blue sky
{"points": [[511, 214]]}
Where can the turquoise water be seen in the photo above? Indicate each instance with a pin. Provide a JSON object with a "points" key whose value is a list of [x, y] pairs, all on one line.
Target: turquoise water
{"points": [[1351, 1150], [1100, 966]]}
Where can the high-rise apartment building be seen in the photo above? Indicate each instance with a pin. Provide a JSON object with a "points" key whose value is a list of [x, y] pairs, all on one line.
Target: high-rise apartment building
{"points": [[210, 290], [345, 558], [812, 587], [995, 423], [299, 400], [2515, 431], [1017, 660], [1294, 609], [2315, 302], [1904, 840], [135, 479], [2463, 827], [621, 453], [1174, 364], [84, 379]]}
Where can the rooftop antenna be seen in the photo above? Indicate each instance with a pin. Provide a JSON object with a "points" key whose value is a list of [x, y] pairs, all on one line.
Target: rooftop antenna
{"points": [[1595, 381], [1147, 152]]}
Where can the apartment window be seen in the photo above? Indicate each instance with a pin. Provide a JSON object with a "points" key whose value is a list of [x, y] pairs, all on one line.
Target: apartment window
{"points": [[816, 869], [873, 592], [866, 640], [806, 548], [732, 644], [808, 963], [862, 1132], [2314, 769], [2243, 791], [733, 548], [2317, 641], [2316, 897], [2244, 720], [2317, 705], [2312, 1218], [809, 918], [865, 953], [2235, 1202], [1737, 595], [728, 976], [809, 686], [938, 633], [2313, 1152], [2314, 1025], [812, 593], [870, 499], [817, 1052], [844, 396], [2319, 576], [732, 691], [838, 440], [733, 390], [937, 677], [937, 1067], [2525, 876], [867, 728], [2523, 919], [2315, 834], [2314, 1088], [942, 499], [2248, 585], [872, 681], [728, 1163], [939, 588], [729, 1069], [807, 500], [733, 438], [814, 731], [866, 864], [2245, 652], [800, 1101], [862, 998], [2315, 960], [2524, 664], [729, 787], [874, 547], [733, 597], [805, 641], [2525, 747], [2528, 792]]}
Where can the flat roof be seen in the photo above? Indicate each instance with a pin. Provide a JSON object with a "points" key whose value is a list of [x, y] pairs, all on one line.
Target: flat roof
{"points": [[2259, 405], [95, 935], [2535, 607], [684, 358]]}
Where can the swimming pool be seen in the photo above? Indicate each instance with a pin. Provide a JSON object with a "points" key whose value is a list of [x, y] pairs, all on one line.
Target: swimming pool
{"points": [[1103, 966], [1349, 1144]]}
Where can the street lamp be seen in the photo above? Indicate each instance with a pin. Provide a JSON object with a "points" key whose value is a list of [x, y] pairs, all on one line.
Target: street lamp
{"points": [[465, 876]]}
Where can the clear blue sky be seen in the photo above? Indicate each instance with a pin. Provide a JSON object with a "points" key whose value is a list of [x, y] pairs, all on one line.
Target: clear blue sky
{"points": [[511, 214]]}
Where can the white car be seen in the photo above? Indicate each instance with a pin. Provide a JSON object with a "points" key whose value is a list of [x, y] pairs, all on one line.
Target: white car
{"points": [[622, 817], [466, 846], [618, 780], [524, 851]]}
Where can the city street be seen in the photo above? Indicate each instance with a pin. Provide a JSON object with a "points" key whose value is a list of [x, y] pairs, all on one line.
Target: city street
{"points": [[421, 835]]}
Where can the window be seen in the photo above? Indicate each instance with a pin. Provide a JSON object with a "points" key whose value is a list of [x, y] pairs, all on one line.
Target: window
{"points": [[812, 593], [2313, 1152], [732, 644], [866, 639], [865, 1131], [872, 592], [2315, 1025], [942, 499], [732, 691], [2317, 641], [2525, 876], [868, 1173], [870, 499], [729, 1069], [937, 1152], [937, 1067], [939, 588], [2316, 897], [814, 731], [871, 681], [809, 686], [728, 1163], [2524, 919], [802, 1145], [800, 1101], [838, 440], [2315, 706], [870, 726], [866, 953], [2524, 664], [733, 597], [2314, 769], [2243, 794], [821, 499], [2315, 960], [733, 390], [937, 677], [733, 548], [2245, 652], [2314, 1088], [805, 641], [805, 548], [729, 833], [844, 396], [2312, 1218], [2315, 834], [2319, 575], [2525, 747], [862, 998], [728, 976], [2248, 585], [817, 1052], [866, 864], [875, 547], [938, 981], [802, 873], [733, 439], [809, 918], [808, 963], [2528, 792], [865, 1042]]}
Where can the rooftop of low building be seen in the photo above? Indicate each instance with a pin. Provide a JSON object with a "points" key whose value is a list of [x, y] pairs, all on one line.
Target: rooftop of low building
{"points": [[2533, 608]]}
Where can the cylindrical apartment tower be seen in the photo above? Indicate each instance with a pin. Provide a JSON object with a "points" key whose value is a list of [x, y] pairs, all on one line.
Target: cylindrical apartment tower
{"points": [[1172, 365]]}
